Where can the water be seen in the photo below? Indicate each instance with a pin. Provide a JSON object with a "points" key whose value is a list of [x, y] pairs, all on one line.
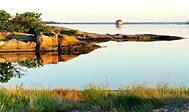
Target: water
{"points": [[119, 63]]}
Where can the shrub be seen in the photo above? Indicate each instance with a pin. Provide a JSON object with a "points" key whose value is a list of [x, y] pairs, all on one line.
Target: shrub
{"points": [[28, 22]]}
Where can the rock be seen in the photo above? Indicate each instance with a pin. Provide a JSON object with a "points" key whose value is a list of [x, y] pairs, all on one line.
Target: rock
{"points": [[77, 49], [2, 43], [68, 40], [15, 45], [3, 35], [22, 37], [174, 108], [47, 43]]}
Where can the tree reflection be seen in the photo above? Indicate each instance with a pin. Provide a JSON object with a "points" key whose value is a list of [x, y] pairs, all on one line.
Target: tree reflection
{"points": [[30, 63], [7, 71]]}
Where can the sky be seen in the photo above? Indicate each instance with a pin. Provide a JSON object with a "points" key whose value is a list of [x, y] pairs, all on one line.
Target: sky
{"points": [[102, 10]]}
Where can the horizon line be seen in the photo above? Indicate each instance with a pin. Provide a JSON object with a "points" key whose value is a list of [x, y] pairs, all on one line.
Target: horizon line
{"points": [[53, 22]]}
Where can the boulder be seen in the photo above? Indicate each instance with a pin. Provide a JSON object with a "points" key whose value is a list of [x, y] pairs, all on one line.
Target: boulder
{"points": [[17, 46], [47, 43]]}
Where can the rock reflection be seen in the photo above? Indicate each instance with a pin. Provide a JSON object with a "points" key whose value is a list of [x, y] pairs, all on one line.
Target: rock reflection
{"points": [[15, 64], [16, 56], [119, 27], [48, 58]]}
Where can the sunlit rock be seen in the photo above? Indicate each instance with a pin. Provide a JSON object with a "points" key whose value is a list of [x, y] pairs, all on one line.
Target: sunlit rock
{"points": [[4, 35], [15, 45], [68, 40], [47, 43], [2, 43]]}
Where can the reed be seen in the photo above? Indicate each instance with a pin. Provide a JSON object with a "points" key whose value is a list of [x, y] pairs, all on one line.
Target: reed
{"points": [[141, 98]]}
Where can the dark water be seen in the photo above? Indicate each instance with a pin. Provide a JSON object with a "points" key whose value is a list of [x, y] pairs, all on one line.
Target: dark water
{"points": [[120, 63]]}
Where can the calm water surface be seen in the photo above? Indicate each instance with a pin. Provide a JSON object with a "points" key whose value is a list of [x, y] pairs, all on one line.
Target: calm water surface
{"points": [[120, 63]]}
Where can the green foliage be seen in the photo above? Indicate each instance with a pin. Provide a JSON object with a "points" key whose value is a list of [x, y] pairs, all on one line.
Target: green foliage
{"points": [[70, 32], [29, 22], [4, 20], [10, 101]]}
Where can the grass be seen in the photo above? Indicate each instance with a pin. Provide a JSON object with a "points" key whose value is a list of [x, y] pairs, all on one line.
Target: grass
{"points": [[140, 98]]}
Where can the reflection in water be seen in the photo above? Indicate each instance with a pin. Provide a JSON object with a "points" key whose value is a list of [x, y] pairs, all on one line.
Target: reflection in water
{"points": [[48, 58], [29, 63], [9, 70], [14, 64], [17, 56], [119, 26]]}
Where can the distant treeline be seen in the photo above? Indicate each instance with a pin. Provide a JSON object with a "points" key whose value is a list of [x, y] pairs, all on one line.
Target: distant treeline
{"points": [[53, 22]]}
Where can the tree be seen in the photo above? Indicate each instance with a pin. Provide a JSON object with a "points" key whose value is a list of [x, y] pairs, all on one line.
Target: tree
{"points": [[29, 22], [4, 21]]}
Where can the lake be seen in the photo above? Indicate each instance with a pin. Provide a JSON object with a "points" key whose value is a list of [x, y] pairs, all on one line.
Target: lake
{"points": [[118, 63]]}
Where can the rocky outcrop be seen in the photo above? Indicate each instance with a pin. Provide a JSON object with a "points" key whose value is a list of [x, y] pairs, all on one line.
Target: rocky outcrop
{"points": [[47, 43], [80, 48], [17, 46], [76, 43]]}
